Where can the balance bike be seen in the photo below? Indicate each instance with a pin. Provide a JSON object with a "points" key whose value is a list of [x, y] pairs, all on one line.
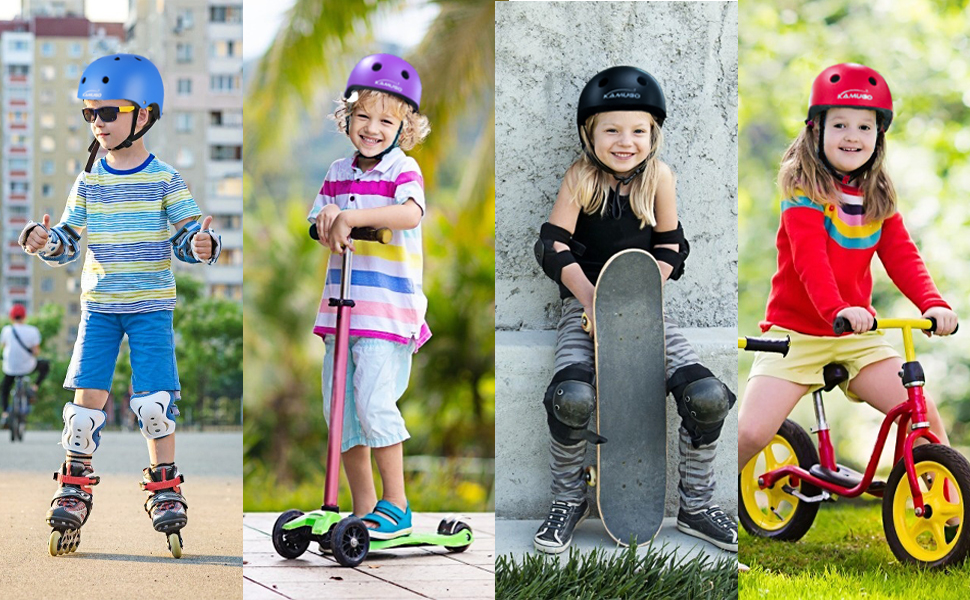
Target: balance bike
{"points": [[781, 488], [348, 537]]}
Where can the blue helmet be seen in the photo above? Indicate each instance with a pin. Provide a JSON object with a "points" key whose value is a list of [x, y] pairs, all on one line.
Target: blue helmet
{"points": [[123, 77]]}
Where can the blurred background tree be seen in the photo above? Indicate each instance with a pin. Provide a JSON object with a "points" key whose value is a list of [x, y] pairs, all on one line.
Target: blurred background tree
{"points": [[449, 406], [922, 48]]}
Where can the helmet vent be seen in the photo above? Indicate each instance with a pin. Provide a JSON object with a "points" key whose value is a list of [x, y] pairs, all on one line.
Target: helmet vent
{"points": [[835, 78], [376, 67], [83, 79], [405, 75], [117, 58], [872, 81], [641, 81], [104, 80], [138, 59], [604, 81]]}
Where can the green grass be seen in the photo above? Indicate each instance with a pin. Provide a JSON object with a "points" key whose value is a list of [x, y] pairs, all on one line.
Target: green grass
{"points": [[605, 574], [844, 555]]}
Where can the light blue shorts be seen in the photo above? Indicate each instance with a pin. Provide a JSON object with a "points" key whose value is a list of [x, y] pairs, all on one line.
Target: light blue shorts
{"points": [[151, 341], [377, 376]]}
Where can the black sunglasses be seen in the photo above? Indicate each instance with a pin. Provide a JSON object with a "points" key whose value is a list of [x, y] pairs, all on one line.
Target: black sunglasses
{"points": [[107, 113]]}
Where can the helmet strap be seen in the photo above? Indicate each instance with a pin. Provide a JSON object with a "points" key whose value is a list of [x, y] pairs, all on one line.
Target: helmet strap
{"points": [[132, 136], [393, 145]]}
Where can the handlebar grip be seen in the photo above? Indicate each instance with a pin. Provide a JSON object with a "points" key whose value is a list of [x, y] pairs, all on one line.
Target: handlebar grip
{"points": [[364, 234], [842, 325], [763, 345]]}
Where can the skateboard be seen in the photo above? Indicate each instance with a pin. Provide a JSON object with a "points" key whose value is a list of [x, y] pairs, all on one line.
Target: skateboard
{"points": [[631, 408]]}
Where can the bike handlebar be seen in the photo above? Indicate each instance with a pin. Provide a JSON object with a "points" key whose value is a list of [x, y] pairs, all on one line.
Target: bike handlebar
{"points": [[841, 325], [364, 234], [764, 345]]}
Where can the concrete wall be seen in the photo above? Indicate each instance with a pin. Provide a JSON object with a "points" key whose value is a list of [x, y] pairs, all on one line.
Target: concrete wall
{"points": [[545, 54]]}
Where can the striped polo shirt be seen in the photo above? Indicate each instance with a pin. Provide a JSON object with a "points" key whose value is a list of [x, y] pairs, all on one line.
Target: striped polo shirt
{"points": [[128, 265], [389, 301]]}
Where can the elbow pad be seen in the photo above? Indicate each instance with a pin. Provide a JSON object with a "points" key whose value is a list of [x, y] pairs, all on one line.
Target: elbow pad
{"points": [[674, 258], [551, 261]]}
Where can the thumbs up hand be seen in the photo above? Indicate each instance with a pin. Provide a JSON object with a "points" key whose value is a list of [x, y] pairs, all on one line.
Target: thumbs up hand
{"points": [[38, 236], [202, 243]]}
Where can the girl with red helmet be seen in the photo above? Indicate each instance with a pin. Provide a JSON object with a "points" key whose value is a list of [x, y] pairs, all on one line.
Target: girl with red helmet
{"points": [[839, 210]]}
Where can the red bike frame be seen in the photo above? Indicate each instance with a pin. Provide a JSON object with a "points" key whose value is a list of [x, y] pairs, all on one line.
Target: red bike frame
{"points": [[912, 410]]}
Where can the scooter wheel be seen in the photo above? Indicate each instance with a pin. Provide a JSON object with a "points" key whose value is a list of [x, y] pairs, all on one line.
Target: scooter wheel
{"points": [[290, 543], [350, 541], [944, 483], [451, 527]]}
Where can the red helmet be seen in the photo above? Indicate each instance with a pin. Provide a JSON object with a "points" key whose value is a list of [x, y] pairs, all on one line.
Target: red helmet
{"points": [[18, 311], [851, 85]]}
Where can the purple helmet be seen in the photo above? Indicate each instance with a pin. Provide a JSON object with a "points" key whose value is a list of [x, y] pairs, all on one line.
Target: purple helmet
{"points": [[389, 74]]}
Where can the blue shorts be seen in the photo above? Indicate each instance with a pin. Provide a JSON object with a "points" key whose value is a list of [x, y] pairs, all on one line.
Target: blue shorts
{"points": [[151, 341], [377, 376]]}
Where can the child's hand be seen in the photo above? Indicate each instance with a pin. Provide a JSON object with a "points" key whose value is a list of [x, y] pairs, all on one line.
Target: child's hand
{"points": [[325, 220], [202, 242], [946, 320], [340, 234], [38, 236], [860, 318]]}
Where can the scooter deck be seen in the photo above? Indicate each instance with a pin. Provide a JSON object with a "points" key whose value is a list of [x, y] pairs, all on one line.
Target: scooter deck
{"points": [[631, 397], [321, 521]]}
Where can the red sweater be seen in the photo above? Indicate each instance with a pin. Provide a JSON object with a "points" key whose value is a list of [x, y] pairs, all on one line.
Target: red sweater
{"points": [[824, 258]]}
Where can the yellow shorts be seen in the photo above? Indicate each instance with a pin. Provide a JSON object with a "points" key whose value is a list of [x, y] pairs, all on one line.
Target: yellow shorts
{"points": [[809, 354]]}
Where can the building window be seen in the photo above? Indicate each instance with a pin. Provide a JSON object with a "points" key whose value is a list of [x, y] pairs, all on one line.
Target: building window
{"points": [[18, 70], [183, 53], [47, 143], [226, 118], [226, 49], [184, 158], [47, 285], [47, 190], [225, 14], [184, 20], [73, 144], [185, 87], [47, 167], [229, 186], [18, 45], [47, 49], [18, 164], [46, 96], [47, 121], [74, 50], [219, 152], [18, 187], [48, 72], [73, 165], [223, 83], [71, 71], [227, 222], [184, 123]]}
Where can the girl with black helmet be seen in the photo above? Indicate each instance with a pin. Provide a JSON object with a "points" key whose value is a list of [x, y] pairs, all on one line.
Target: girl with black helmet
{"points": [[839, 210], [620, 195]]}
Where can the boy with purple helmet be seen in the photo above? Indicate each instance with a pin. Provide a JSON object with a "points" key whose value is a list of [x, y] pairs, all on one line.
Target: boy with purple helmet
{"points": [[379, 186]]}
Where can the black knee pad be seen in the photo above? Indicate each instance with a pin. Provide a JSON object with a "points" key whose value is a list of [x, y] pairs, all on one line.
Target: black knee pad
{"points": [[703, 402], [570, 401]]}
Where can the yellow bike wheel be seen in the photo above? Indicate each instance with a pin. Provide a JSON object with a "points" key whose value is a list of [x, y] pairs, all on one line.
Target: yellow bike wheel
{"points": [[774, 512], [939, 537]]}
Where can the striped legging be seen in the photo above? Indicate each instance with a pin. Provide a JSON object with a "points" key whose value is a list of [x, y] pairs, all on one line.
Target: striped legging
{"points": [[696, 466]]}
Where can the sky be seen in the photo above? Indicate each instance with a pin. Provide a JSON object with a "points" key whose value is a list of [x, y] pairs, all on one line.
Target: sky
{"points": [[102, 10]]}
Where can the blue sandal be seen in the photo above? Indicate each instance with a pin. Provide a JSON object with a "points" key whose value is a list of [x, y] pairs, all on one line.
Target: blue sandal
{"points": [[391, 521]]}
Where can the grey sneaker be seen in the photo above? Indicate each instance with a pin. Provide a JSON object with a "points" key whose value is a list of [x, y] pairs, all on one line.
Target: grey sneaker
{"points": [[556, 533], [711, 524]]}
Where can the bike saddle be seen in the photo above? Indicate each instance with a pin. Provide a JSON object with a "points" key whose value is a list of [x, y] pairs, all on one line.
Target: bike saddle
{"points": [[834, 374]]}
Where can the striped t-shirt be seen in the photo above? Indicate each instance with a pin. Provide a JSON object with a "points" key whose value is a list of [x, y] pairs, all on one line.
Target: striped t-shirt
{"points": [[389, 301], [128, 265]]}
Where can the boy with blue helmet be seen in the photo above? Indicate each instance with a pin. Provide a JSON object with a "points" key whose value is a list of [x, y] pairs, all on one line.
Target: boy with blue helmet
{"points": [[127, 201]]}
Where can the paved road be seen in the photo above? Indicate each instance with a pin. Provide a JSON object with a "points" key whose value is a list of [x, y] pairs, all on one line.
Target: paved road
{"points": [[121, 556]]}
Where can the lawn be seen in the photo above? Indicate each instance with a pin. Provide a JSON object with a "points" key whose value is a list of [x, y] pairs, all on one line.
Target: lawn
{"points": [[844, 555]]}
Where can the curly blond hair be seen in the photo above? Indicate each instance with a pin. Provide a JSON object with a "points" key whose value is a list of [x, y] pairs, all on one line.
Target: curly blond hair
{"points": [[416, 127]]}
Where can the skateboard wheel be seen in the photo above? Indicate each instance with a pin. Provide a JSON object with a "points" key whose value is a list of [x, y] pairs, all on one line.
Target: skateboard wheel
{"points": [[590, 476], [585, 323]]}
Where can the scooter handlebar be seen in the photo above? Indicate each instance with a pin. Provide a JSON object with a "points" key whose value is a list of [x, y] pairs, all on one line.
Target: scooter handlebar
{"points": [[841, 325], [364, 234]]}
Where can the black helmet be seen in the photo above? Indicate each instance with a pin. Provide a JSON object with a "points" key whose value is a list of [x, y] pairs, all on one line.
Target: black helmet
{"points": [[622, 88]]}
